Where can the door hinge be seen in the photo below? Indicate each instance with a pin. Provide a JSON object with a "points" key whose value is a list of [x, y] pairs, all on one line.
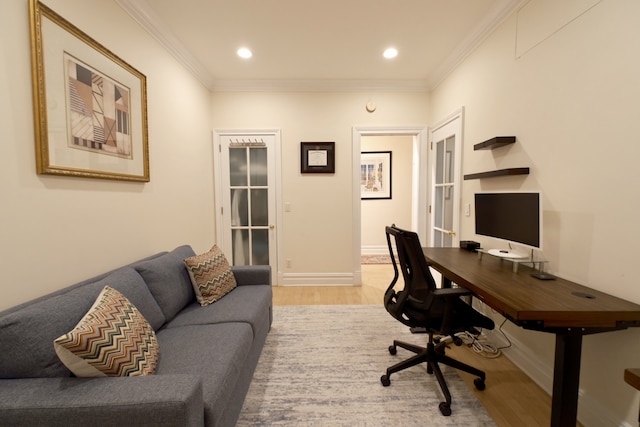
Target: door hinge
{"points": [[219, 148], [429, 208], [222, 211]]}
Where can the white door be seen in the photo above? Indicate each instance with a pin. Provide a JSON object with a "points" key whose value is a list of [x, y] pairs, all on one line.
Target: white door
{"points": [[446, 164], [246, 197]]}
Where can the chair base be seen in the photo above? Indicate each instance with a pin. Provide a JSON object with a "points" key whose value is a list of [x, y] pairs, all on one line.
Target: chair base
{"points": [[433, 355]]}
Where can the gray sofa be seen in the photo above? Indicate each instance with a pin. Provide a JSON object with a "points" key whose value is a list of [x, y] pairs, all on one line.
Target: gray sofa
{"points": [[207, 354]]}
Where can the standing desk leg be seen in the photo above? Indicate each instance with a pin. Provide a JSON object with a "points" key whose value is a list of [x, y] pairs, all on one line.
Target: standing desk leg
{"points": [[566, 380]]}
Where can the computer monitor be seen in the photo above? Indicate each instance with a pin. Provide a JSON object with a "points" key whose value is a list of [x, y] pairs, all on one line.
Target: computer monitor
{"points": [[514, 217]]}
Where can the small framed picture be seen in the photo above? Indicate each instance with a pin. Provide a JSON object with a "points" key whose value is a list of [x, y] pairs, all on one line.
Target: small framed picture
{"points": [[375, 175], [317, 157]]}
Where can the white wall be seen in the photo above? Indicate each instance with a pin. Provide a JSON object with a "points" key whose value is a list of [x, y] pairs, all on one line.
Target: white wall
{"points": [[376, 214], [56, 230], [317, 233], [572, 103]]}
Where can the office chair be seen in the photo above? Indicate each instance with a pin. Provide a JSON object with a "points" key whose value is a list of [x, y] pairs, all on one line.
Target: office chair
{"points": [[420, 304]]}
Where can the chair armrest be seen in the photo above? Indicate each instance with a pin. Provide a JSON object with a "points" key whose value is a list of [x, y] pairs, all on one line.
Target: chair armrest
{"points": [[167, 400], [451, 292], [252, 274], [449, 295]]}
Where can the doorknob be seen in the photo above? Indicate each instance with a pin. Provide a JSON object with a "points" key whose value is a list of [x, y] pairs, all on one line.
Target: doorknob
{"points": [[271, 226], [451, 233]]}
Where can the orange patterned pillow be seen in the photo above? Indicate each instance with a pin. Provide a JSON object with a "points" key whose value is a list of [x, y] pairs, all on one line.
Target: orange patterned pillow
{"points": [[112, 339], [211, 275]]}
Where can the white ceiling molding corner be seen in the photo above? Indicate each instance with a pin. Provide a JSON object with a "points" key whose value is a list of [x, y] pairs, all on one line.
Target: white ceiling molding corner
{"points": [[143, 15], [494, 18]]}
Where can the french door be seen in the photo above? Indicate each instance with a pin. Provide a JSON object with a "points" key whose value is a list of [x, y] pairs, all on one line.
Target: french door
{"points": [[446, 164], [246, 196]]}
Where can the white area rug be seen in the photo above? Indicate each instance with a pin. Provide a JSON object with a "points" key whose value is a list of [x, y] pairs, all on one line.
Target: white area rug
{"points": [[321, 366]]}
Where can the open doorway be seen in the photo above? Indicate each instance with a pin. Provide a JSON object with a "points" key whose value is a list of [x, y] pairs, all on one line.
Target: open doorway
{"points": [[386, 189], [415, 162]]}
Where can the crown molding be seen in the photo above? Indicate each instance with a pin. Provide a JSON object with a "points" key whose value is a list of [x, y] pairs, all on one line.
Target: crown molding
{"points": [[319, 85], [147, 19], [144, 16], [490, 22]]}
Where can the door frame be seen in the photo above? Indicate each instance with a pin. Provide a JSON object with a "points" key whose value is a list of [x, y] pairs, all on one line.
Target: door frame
{"points": [[419, 215], [219, 191]]}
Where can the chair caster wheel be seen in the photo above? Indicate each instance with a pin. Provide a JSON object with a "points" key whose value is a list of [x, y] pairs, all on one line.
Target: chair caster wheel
{"points": [[457, 341], [479, 383], [392, 349], [445, 408], [385, 380]]}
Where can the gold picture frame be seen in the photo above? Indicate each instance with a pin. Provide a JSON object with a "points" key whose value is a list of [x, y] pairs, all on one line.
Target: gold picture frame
{"points": [[90, 106]]}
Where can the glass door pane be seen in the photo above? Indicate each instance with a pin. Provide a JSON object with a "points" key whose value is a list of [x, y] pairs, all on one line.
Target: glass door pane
{"points": [[445, 204], [249, 193]]}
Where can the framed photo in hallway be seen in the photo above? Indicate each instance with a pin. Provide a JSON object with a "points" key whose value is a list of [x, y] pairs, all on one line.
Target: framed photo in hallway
{"points": [[90, 106], [375, 175]]}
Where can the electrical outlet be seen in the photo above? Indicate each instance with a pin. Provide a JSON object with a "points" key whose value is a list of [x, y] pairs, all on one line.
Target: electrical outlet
{"points": [[467, 209], [288, 263]]}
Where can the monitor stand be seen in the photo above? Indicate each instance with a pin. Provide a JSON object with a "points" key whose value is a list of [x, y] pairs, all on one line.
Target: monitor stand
{"points": [[516, 259], [503, 253]]}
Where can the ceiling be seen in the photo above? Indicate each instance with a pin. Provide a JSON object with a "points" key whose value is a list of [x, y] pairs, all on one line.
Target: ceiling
{"points": [[319, 45]]}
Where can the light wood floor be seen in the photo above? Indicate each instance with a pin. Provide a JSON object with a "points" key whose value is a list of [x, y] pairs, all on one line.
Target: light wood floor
{"points": [[511, 398]]}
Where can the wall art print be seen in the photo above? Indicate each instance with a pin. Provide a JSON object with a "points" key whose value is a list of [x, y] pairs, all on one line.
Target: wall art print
{"points": [[98, 111], [89, 105], [375, 175]]}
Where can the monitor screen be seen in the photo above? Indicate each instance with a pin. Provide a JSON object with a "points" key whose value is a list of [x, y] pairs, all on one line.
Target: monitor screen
{"points": [[514, 217]]}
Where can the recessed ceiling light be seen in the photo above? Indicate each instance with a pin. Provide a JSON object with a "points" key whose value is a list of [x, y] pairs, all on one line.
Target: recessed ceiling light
{"points": [[390, 53], [245, 53]]}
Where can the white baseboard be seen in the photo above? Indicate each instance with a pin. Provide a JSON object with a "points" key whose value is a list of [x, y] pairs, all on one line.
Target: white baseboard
{"points": [[374, 250], [318, 279]]}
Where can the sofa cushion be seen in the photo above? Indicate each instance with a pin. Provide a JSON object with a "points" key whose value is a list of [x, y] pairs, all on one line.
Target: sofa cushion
{"points": [[217, 353], [168, 280], [112, 340], [210, 275], [46, 318], [254, 300]]}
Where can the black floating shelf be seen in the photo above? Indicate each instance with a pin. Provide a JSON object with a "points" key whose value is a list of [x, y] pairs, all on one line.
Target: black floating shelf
{"points": [[497, 142], [501, 172]]}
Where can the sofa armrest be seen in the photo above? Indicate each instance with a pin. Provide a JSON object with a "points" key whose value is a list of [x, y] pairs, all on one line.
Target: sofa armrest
{"points": [[252, 274], [158, 400]]}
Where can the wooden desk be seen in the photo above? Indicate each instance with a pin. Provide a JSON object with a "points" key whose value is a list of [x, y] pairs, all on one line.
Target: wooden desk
{"points": [[564, 308], [632, 377]]}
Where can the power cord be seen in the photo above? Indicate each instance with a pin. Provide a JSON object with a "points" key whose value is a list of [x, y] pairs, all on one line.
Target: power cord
{"points": [[480, 344]]}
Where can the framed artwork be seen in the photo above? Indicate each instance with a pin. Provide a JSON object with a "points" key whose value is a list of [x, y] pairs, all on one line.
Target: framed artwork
{"points": [[375, 175], [317, 157], [90, 106]]}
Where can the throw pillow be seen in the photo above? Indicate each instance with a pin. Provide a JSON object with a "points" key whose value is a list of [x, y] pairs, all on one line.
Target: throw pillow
{"points": [[211, 275], [112, 339]]}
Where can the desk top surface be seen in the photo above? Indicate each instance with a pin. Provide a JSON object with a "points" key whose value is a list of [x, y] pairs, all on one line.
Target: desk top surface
{"points": [[632, 377], [530, 302]]}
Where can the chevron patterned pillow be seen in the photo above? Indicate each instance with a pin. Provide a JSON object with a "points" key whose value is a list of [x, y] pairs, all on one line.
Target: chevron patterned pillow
{"points": [[112, 339], [211, 275]]}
